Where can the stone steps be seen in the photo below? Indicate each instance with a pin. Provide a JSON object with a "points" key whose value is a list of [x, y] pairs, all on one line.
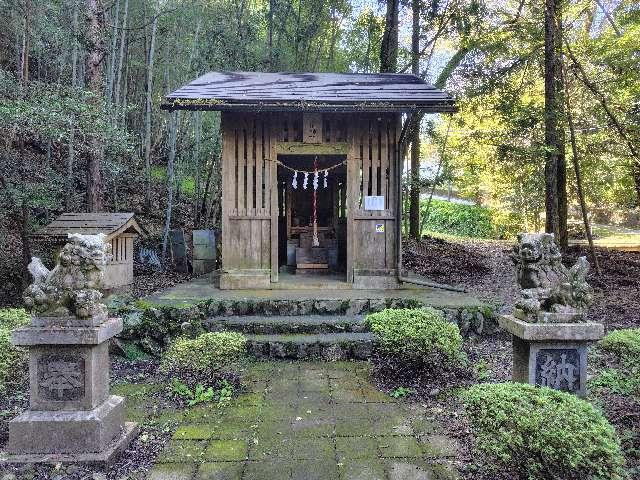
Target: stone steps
{"points": [[287, 324], [326, 346]]}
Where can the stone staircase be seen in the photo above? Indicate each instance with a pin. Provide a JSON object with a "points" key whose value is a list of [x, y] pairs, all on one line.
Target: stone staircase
{"points": [[330, 336]]}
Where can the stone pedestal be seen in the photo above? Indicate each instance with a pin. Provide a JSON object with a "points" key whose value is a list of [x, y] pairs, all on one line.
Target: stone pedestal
{"points": [[72, 417], [551, 354]]}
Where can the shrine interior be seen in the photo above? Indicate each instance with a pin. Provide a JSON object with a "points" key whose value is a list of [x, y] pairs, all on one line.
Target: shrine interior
{"points": [[297, 210]]}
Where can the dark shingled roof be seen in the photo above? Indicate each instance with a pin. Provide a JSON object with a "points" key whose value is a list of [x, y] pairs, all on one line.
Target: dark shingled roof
{"points": [[333, 92], [111, 224]]}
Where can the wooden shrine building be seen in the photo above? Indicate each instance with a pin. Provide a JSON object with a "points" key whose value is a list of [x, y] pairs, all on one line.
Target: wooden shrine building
{"points": [[311, 171], [120, 229]]}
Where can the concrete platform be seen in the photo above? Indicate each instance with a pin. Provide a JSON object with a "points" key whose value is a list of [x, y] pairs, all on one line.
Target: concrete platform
{"points": [[312, 288]]}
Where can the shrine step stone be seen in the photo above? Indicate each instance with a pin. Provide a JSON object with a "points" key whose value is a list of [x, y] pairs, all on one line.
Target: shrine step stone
{"points": [[286, 324], [326, 346]]}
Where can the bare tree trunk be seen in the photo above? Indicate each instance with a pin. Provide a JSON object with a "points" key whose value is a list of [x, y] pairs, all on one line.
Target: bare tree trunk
{"points": [[112, 55], [389, 45], [26, 44], [147, 122], [74, 50], [94, 81], [121, 53], [173, 127], [576, 167], [69, 193], [555, 168]]}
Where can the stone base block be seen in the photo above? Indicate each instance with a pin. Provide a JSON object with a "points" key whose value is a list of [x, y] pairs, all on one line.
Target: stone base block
{"points": [[551, 355], [64, 432], [100, 459]]}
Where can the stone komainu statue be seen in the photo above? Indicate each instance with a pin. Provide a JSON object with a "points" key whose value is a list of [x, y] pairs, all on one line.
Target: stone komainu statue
{"points": [[549, 291], [72, 287]]}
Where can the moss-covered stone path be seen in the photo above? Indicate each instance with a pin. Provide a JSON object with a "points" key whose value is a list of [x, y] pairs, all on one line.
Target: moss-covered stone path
{"points": [[305, 420]]}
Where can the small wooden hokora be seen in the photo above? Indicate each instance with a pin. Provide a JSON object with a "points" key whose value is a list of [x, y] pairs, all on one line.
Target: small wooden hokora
{"points": [[549, 292], [71, 417]]}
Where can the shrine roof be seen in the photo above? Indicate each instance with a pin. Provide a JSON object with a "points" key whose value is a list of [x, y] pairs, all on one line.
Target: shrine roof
{"points": [[331, 92], [111, 224]]}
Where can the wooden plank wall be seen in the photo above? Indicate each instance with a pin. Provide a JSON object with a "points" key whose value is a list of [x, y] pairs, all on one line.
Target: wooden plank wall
{"points": [[372, 172], [250, 200], [246, 192]]}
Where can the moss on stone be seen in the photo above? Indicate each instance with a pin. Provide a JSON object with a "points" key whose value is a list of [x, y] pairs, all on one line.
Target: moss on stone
{"points": [[356, 447], [183, 451], [226, 450], [220, 471], [193, 432], [399, 447]]}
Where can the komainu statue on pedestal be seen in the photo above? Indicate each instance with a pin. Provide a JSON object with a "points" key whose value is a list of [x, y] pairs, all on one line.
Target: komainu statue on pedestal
{"points": [[550, 293], [72, 287]]}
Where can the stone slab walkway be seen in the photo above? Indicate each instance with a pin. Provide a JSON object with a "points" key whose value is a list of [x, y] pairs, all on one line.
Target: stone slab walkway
{"points": [[306, 421]]}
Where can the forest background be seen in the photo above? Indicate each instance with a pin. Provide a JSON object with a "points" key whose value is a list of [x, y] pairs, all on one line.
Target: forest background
{"points": [[81, 82]]}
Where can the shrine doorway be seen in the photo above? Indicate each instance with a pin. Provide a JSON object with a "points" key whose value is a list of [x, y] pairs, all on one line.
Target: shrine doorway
{"points": [[312, 215]]}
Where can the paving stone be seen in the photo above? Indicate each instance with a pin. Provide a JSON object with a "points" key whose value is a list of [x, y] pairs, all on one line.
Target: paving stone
{"points": [[314, 383], [439, 446], [362, 470], [274, 428], [286, 371], [226, 450], [245, 414], [313, 426], [353, 426], [351, 410], [269, 448], [347, 395], [402, 470], [171, 471], [193, 432], [392, 424], [314, 449], [315, 397], [384, 410], [314, 470], [232, 431], [399, 447], [349, 448], [220, 471], [306, 421], [267, 470], [183, 451]]}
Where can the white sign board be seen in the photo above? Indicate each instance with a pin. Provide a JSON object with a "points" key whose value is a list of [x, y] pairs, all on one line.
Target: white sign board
{"points": [[375, 202]]}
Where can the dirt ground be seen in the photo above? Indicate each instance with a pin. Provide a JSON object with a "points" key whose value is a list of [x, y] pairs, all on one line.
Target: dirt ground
{"points": [[484, 268]]}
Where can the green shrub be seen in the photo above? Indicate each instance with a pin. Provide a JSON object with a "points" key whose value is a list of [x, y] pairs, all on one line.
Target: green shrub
{"points": [[11, 358], [209, 352], [616, 381], [458, 219], [418, 336], [624, 343], [543, 433]]}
